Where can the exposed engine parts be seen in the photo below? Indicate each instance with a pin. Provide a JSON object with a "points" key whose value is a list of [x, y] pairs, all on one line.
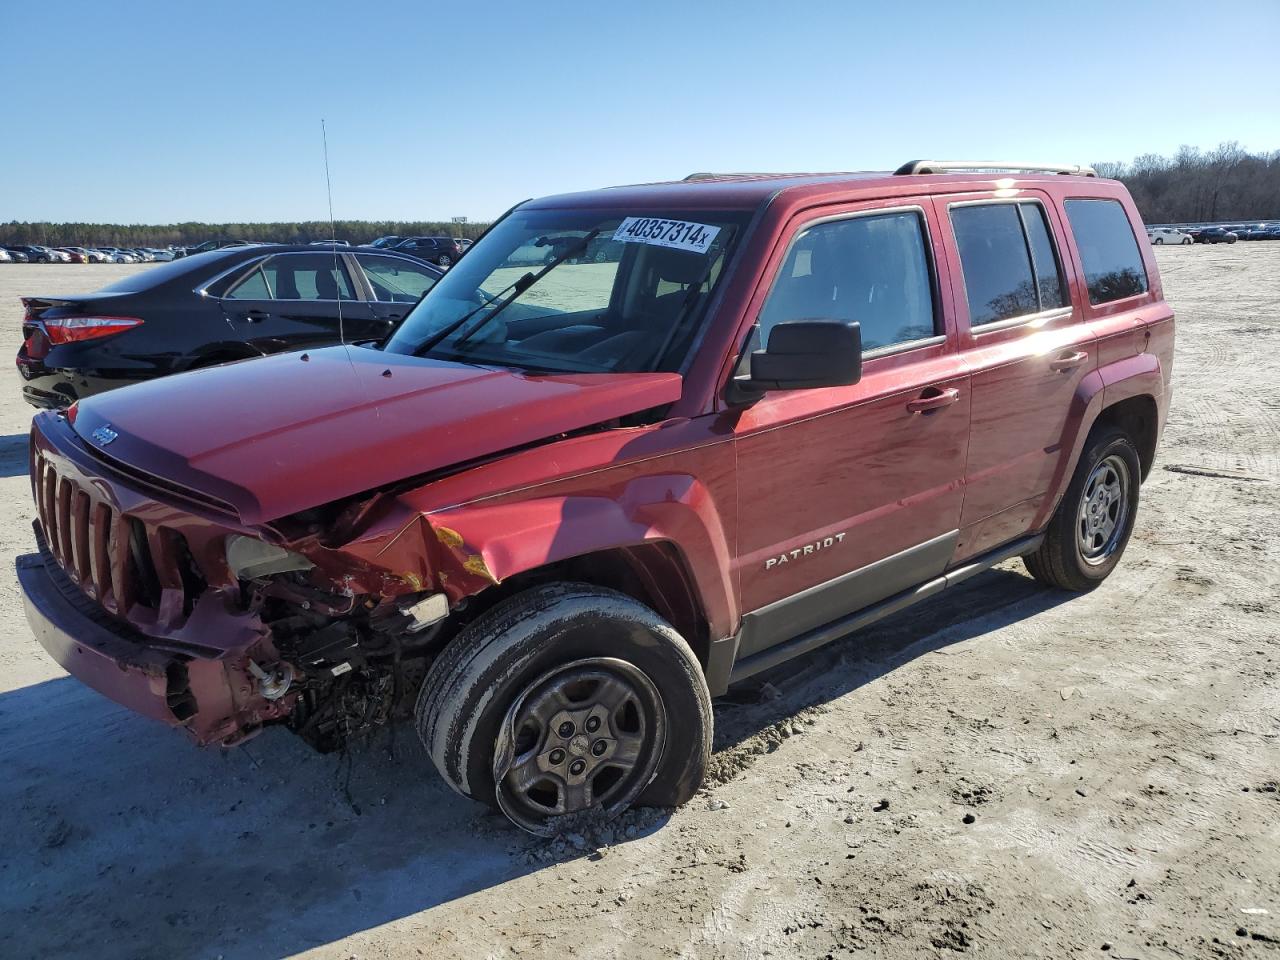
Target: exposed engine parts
{"points": [[352, 664], [272, 684]]}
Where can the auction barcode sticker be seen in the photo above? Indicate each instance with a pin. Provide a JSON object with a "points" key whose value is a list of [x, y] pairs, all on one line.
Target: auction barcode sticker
{"points": [[678, 234]]}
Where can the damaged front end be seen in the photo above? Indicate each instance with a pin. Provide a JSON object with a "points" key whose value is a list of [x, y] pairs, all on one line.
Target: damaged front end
{"points": [[162, 600]]}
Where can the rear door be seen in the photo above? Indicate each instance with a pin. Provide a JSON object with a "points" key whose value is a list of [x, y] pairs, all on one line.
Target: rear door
{"points": [[295, 300], [847, 495], [1027, 346]]}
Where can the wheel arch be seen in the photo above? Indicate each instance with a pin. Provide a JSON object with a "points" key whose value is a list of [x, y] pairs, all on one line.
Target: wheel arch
{"points": [[653, 572], [1122, 393], [1137, 416]]}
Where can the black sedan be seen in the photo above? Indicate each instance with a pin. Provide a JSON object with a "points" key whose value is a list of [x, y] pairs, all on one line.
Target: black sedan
{"points": [[442, 251], [1214, 235], [211, 308]]}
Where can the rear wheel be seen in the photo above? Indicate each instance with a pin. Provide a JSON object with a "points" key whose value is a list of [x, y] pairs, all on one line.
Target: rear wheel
{"points": [[1091, 527], [444, 260], [1159, 240], [567, 699]]}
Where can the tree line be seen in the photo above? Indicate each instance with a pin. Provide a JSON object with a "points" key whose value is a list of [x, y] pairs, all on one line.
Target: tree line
{"points": [[1194, 186], [190, 233]]}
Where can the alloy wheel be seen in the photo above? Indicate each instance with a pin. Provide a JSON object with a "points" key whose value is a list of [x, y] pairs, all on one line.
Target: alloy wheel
{"points": [[1103, 510], [585, 736]]}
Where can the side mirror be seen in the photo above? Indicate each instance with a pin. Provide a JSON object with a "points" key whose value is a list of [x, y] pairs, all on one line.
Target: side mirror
{"points": [[802, 354]]}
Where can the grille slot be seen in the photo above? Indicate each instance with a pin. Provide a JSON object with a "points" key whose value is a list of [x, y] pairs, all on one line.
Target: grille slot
{"points": [[115, 558]]}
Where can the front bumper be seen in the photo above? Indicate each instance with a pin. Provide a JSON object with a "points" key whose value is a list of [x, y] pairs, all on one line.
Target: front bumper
{"points": [[124, 671], [213, 698]]}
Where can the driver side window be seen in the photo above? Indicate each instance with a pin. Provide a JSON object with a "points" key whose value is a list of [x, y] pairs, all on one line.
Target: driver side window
{"points": [[872, 268]]}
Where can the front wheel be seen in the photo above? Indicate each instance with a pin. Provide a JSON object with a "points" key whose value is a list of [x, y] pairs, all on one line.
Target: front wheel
{"points": [[567, 699], [1186, 241], [1091, 527]]}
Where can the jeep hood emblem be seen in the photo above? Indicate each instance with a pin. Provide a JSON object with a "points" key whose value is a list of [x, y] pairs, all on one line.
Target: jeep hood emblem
{"points": [[104, 434]]}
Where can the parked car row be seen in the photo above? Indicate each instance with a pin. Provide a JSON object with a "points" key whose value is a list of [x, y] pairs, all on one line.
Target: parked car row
{"points": [[35, 253], [1215, 234], [442, 251]]}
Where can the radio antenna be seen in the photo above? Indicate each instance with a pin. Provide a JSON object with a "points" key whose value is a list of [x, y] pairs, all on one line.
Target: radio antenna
{"points": [[333, 228]]}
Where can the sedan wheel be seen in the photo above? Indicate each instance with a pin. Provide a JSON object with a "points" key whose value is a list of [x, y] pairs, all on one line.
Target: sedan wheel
{"points": [[445, 260]]}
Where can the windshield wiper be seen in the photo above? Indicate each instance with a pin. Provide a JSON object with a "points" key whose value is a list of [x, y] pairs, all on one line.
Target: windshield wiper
{"points": [[518, 287]]}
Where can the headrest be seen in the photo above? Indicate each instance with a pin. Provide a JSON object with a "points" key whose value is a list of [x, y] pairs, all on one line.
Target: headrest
{"points": [[678, 266], [326, 285]]}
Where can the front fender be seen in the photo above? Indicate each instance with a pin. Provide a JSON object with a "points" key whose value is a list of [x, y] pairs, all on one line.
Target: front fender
{"points": [[482, 544]]}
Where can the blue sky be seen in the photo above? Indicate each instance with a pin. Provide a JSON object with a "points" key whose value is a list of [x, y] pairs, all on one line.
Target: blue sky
{"points": [[126, 111]]}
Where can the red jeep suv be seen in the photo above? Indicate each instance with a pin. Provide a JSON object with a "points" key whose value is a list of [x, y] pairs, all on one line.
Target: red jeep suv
{"points": [[567, 503]]}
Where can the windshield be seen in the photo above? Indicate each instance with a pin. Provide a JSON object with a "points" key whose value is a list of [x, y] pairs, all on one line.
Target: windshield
{"points": [[586, 290]]}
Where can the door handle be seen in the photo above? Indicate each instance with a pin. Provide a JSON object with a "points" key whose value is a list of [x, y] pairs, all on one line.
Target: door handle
{"points": [[934, 401], [255, 316], [1068, 362]]}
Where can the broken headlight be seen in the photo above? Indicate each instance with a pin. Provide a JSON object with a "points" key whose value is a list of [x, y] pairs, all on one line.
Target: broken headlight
{"points": [[250, 559]]}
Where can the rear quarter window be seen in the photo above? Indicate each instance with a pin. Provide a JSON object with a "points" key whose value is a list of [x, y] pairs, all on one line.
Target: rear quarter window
{"points": [[1113, 267]]}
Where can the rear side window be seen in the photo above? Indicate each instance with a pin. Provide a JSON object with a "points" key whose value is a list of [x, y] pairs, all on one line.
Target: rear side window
{"points": [[1009, 262], [872, 269], [1113, 267], [308, 276], [252, 287]]}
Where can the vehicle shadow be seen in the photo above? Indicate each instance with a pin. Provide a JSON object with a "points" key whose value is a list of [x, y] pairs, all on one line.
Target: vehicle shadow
{"points": [[985, 603], [126, 841], [13, 455]]}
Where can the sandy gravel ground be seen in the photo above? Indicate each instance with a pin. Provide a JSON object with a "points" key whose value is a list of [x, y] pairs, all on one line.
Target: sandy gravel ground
{"points": [[1006, 772]]}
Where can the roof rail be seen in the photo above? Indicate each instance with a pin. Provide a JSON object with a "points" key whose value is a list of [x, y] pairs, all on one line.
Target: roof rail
{"points": [[729, 176], [976, 166]]}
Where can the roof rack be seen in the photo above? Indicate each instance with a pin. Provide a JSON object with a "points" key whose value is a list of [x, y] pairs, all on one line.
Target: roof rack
{"points": [[975, 166], [730, 176]]}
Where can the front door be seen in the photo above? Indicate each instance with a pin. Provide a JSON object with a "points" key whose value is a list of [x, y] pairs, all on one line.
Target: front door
{"points": [[296, 300], [848, 495]]}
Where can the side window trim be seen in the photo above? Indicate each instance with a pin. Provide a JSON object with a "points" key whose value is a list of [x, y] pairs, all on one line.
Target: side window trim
{"points": [[1040, 317], [930, 252]]}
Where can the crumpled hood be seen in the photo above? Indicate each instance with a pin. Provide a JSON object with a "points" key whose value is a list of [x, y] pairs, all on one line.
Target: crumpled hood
{"points": [[284, 433]]}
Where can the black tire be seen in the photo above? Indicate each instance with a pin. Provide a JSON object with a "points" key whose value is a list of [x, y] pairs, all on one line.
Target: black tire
{"points": [[495, 662], [444, 260], [1159, 241], [1060, 560]]}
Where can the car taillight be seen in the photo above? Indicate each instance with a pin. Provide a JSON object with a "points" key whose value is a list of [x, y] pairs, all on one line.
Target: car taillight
{"points": [[74, 329]]}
